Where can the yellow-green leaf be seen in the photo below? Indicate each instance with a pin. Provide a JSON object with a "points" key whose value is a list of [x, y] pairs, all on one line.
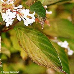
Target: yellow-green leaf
{"points": [[38, 47]]}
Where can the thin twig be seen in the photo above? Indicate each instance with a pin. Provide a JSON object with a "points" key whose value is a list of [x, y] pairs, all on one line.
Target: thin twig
{"points": [[9, 28]]}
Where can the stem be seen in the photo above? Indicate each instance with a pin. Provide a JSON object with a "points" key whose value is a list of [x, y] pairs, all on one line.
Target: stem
{"points": [[11, 27]]}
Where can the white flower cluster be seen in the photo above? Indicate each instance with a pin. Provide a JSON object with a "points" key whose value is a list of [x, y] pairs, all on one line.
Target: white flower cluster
{"points": [[8, 1], [8, 17], [65, 44], [19, 12]]}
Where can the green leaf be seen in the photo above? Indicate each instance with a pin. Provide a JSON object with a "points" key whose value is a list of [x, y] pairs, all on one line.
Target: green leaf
{"points": [[63, 58], [32, 67], [49, 2], [60, 28], [38, 8], [38, 47], [1, 18], [1, 70]]}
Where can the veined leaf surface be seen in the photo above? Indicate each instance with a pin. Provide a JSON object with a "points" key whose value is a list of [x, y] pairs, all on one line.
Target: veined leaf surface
{"points": [[39, 9], [38, 47]]}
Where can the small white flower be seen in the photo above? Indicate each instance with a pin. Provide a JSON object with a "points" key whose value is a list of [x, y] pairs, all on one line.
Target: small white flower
{"points": [[18, 17], [18, 7], [25, 13], [8, 17], [45, 6], [8, 1], [70, 52], [48, 12], [63, 44], [9, 22]]}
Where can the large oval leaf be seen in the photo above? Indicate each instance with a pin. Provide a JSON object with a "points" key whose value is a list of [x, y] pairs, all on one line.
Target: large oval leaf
{"points": [[38, 47]]}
